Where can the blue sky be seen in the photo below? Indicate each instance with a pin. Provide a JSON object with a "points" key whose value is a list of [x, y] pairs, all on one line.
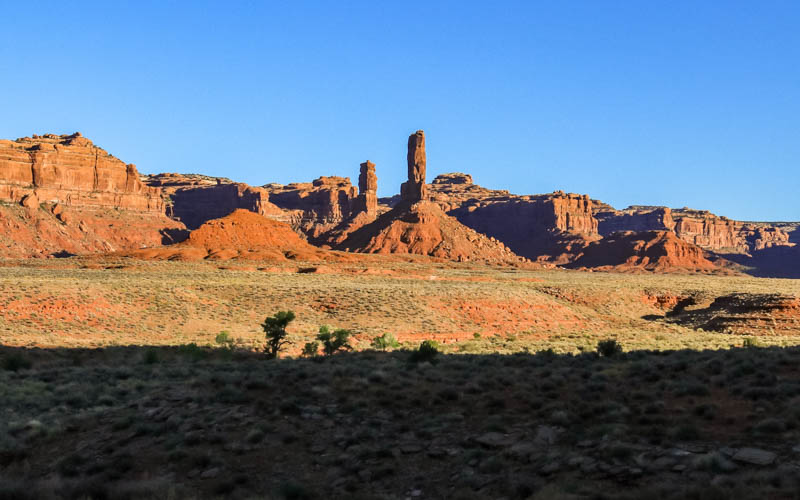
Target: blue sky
{"points": [[659, 102]]}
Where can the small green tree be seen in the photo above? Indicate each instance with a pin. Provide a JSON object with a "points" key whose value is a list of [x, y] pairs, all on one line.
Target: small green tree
{"points": [[609, 347], [385, 341], [275, 331], [333, 341], [311, 349], [223, 339], [427, 351]]}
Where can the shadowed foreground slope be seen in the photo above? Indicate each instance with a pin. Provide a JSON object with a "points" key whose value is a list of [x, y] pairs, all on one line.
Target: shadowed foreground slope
{"points": [[188, 422]]}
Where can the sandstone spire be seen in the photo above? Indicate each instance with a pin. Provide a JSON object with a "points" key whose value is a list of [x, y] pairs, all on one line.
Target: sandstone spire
{"points": [[367, 200], [415, 190]]}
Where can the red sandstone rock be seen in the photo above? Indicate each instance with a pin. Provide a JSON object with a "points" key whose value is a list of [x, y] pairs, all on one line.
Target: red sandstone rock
{"points": [[414, 189], [367, 200], [315, 207], [657, 251], [196, 199], [424, 229], [545, 228], [69, 169], [77, 199], [699, 227]]}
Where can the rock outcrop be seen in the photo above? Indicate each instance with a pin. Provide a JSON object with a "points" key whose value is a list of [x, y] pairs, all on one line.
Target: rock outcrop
{"points": [[367, 200], [417, 226], [70, 170], [699, 227], [315, 207], [195, 199], [415, 189], [636, 218], [66, 196], [547, 228], [741, 314], [656, 251]]}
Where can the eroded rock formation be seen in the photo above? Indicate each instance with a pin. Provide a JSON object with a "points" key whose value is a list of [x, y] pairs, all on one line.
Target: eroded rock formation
{"points": [[699, 227], [195, 199], [742, 314], [548, 228], [70, 170], [418, 226], [657, 251], [415, 189], [367, 200], [424, 229], [315, 207], [68, 196]]}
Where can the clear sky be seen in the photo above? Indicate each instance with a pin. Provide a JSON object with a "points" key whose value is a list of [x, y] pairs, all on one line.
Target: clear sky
{"points": [[678, 103]]}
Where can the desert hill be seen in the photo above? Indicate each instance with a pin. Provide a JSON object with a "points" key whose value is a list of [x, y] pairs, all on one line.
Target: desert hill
{"points": [[423, 228], [240, 235]]}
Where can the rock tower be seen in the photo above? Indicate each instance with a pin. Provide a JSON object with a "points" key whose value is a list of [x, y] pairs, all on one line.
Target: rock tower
{"points": [[367, 200], [414, 189]]}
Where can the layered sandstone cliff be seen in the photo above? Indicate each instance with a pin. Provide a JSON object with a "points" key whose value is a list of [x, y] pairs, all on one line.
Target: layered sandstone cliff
{"points": [[655, 251], [61, 195], [547, 228], [699, 227], [195, 199], [70, 170], [315, 207]]}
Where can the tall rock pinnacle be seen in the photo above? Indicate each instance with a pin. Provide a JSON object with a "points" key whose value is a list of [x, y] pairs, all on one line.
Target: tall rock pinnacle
{"points": [[367, 200], [415, 190]]}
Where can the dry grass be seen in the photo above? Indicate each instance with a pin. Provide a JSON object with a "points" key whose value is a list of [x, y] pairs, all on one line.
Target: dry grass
{"points": [[75, 303]]}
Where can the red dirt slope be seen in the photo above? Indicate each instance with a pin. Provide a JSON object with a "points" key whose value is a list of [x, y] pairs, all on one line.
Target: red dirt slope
{"points": [[424, 229], [243, 235]]}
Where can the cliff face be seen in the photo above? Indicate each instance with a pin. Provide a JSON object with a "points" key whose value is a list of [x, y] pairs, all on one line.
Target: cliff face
{"points": [[611, 221], [315, 207], [699, 227], [655, 251], [196, 199], [70, 170], [546, 228], [63, 195]]}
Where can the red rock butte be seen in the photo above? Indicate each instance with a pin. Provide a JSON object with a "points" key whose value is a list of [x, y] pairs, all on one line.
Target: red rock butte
{"points": [[69, 169], [63, 195]]}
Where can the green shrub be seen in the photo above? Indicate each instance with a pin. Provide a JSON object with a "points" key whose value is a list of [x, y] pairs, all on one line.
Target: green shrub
{"points": [[223, 339], [333, 341], [385, 341], [311, 349], [427, 351], [609, 347], [15, 361], [275, 331]]}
